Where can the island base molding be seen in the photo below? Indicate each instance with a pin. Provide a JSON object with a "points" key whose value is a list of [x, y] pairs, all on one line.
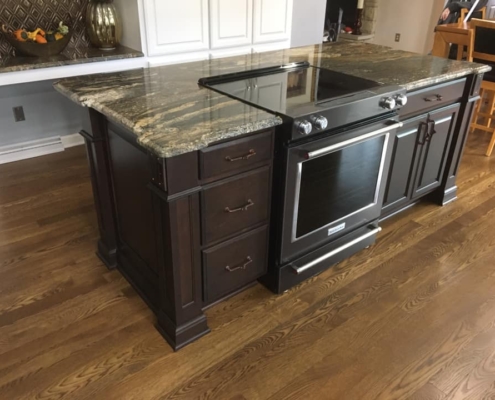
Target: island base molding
{"points": [[150, 235]]}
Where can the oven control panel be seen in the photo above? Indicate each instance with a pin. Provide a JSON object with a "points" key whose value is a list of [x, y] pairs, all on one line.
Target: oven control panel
{"points": [[392, 102], [348, 113]]}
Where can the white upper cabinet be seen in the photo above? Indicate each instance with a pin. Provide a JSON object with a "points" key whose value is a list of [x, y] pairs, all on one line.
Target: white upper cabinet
{"points": [[214, 28], [176, 26], [231, 23], [272, 20]]}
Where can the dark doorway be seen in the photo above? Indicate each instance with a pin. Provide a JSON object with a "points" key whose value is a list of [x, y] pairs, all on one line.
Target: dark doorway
{"points": [[348, 6]]}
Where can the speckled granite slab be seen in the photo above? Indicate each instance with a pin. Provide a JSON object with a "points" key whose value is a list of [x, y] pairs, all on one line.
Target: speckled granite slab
{"points": [[171, 115], [83, 56]]}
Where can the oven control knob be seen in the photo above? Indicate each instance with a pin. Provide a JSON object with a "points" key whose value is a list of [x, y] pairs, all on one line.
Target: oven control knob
{"points": [[401, 100], [388, 103], [304, 127], [319, 121]]}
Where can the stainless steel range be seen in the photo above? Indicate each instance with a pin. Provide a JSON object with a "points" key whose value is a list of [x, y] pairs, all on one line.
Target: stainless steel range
{"points": [[334, 152]]}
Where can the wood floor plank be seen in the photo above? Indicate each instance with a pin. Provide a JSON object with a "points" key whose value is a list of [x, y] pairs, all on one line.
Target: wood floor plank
{"points": [[428, 392], [304, 329]]}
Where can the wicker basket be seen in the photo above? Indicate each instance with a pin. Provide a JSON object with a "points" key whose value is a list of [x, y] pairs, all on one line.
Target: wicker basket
{"points": [[34, 49]]}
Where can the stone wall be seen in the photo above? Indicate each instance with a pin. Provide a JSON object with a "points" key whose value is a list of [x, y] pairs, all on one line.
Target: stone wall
{"points": [[370, 16]]}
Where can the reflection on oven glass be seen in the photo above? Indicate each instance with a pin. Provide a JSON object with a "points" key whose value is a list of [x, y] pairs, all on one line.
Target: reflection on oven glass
{"points": [[338, 184], [296, 83]]}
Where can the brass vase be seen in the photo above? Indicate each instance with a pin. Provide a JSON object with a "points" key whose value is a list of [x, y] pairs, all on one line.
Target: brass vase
{"points": [[103, 24]]}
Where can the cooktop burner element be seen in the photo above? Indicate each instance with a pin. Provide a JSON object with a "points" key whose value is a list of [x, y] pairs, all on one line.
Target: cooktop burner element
{"points": [[314, 99]]}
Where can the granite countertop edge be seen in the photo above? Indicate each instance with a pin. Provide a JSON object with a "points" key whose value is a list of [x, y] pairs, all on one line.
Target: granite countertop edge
{"points": [[204, 141], [145, 138], [172, 134], [420, 84]]}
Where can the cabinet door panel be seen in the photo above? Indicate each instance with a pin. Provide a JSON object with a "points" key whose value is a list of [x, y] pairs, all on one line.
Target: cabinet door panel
{"points": [[435, 151], [403, 164], [270, 92], [231, 23], [176, 26], [272, 20]]}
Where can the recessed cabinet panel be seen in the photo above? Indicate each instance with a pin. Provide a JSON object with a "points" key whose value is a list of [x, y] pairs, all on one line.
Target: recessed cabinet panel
{"points": [[231, 23], [401, 173], [435, 151], [272, 20], [270, 92], [176, 26]]}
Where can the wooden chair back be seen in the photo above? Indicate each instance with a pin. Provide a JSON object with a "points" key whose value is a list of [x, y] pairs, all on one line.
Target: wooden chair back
{"points": [[465, 11], [483, 38]]}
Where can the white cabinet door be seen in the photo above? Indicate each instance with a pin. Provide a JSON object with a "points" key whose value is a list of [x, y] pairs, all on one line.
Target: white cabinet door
{"points": [[270, 91], [231, 23], [272, 20], [176, 26]]}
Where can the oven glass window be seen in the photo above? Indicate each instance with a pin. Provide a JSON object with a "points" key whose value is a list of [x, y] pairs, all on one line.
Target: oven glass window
{"points": [[338, 184]]}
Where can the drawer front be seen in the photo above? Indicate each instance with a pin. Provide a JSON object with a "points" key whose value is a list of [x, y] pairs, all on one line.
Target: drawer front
{"points": [[235, 156], [235, 205], [433, 97], [235, 263]]}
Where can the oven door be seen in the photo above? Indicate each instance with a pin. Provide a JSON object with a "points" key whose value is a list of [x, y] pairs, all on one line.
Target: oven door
{"points": [[334, 185]]}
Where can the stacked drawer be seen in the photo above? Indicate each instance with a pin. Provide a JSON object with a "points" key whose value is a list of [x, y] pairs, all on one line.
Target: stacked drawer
{"points": [[235, 211]]}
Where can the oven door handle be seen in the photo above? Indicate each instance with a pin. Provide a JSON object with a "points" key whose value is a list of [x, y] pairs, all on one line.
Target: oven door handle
{"points": [[300, 270], [329, 149]]}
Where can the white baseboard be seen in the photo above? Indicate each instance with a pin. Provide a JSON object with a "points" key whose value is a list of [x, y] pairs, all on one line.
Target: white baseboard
{"points": [[37, 148], [72, 140]]}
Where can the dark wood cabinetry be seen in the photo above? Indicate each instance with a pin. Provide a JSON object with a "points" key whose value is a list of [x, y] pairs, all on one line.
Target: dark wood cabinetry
{"points": [[235, 204], [419, 157], [401, 174], [186, 230], [235, 156], [189, 230], [234, 263], [435, 137]]}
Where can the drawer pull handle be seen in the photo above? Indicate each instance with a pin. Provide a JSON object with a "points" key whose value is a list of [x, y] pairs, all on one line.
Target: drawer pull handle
{"points": [[243, 208], [248, 261], [436, 97], [251, 153]]}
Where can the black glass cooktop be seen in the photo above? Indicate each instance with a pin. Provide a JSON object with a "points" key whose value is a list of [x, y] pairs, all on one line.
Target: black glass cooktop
{"points": [[291, 89]]}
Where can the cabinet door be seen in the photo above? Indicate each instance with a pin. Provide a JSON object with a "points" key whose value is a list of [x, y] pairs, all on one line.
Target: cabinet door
{"points": [[435, 150], [402, 169], [270, 91], [231, 23], [272, 20], [176, 26]]}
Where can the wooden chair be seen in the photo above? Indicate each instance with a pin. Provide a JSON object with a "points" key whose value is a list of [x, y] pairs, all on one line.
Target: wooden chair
{"points": [[465, 11], [462, 17], [483, 51]]}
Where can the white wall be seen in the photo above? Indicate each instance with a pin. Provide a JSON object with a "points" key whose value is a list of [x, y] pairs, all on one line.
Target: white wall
{"points": [[47, 112], [308, 19], [414, 20], [129, 12]]}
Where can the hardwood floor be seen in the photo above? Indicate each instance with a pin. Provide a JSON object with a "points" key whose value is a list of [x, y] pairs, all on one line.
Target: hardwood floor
{"points": [[413, 317]]}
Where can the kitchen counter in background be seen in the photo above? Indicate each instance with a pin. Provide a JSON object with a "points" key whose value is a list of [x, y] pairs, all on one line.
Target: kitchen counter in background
{"points": [[89, 55], [171, 115]]}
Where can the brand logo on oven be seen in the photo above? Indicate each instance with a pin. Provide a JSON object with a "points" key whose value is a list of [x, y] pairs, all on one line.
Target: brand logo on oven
{"points": [[335, 229]]}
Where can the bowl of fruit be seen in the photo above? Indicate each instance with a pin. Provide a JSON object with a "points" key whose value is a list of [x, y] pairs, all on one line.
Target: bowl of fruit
{"points": [[39, 43]]}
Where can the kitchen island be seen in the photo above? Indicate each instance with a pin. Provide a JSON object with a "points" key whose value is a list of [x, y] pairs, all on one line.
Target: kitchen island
{"points": [[187, 180]]}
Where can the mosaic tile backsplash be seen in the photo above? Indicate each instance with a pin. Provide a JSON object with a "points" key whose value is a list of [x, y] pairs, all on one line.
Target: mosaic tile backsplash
{"points": [[46, 14]]}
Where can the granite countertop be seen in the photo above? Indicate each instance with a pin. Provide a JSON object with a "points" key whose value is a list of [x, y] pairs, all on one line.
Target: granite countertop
{"points": [[170, 114], [89, 55]]}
